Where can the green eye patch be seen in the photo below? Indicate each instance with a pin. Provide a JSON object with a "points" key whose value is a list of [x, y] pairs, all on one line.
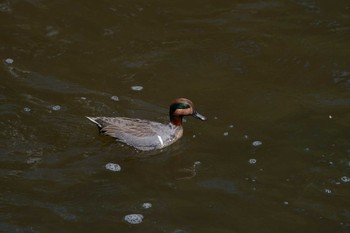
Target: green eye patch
{"points": [[175, 106]]}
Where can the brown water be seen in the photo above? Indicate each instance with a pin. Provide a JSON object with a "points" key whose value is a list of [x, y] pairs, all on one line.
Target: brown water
{"points": [[275, 72]]}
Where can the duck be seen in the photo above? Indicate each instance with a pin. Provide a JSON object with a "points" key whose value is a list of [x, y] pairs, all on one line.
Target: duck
{"points": [[145, 135]]}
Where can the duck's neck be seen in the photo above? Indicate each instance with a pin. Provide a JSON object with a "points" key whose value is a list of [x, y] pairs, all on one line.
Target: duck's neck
{"points": [[176, 120]]}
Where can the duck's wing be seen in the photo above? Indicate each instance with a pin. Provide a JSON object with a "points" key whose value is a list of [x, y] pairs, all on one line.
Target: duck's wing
{"points": [[102, 122], [134, 128], [141, 134]]}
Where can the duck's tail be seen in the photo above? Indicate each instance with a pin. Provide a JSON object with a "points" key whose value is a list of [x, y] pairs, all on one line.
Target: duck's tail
{"points": [[93, 119]]}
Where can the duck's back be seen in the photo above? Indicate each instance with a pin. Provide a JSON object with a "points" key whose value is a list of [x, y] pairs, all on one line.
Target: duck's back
{"points": [[141, 134]]}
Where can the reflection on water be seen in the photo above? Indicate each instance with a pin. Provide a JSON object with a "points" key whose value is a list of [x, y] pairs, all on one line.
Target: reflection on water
{"points": [[272, 76]]}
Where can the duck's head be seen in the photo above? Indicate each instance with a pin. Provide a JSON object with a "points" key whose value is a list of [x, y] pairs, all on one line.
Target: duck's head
{"points": [[183, 107]]}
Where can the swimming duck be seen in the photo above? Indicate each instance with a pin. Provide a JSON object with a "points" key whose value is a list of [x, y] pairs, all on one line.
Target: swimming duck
{"points": [[148, 135]]}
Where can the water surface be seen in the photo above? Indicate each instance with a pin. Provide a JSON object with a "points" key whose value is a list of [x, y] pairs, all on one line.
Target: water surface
{"points": [[275, 72]]}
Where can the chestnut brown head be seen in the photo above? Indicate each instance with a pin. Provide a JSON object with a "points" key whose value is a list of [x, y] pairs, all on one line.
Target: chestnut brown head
{"points": [[183, 107]]}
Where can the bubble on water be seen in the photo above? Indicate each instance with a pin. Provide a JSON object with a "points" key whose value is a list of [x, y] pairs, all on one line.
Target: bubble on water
{"points": [[215, 118], [26, 109], [286, 202], [137, 88], [194, 136], [113, 167], [9, 61], [328, 191], [134, 218], [330, 116], [252, 179], [225, 133], [231, 126], [83, 98], [56, 108], [115, 98], [245, 136], [252, 161], [197, 163], [146, 205], [345, 179], [257, 143]]}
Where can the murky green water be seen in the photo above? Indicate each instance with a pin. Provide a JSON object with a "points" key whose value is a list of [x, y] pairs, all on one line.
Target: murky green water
{"points": [[275, 72]]}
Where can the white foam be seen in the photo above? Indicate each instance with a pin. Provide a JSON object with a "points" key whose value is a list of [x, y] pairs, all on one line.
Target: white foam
{"points": [[252, 161], [9, 61], [56, 108], [147, 205], [26, 109], [134, 218], [328, 191], [345, 179], [257, 143], [137, 88], [113, 167], [115, 98]]}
